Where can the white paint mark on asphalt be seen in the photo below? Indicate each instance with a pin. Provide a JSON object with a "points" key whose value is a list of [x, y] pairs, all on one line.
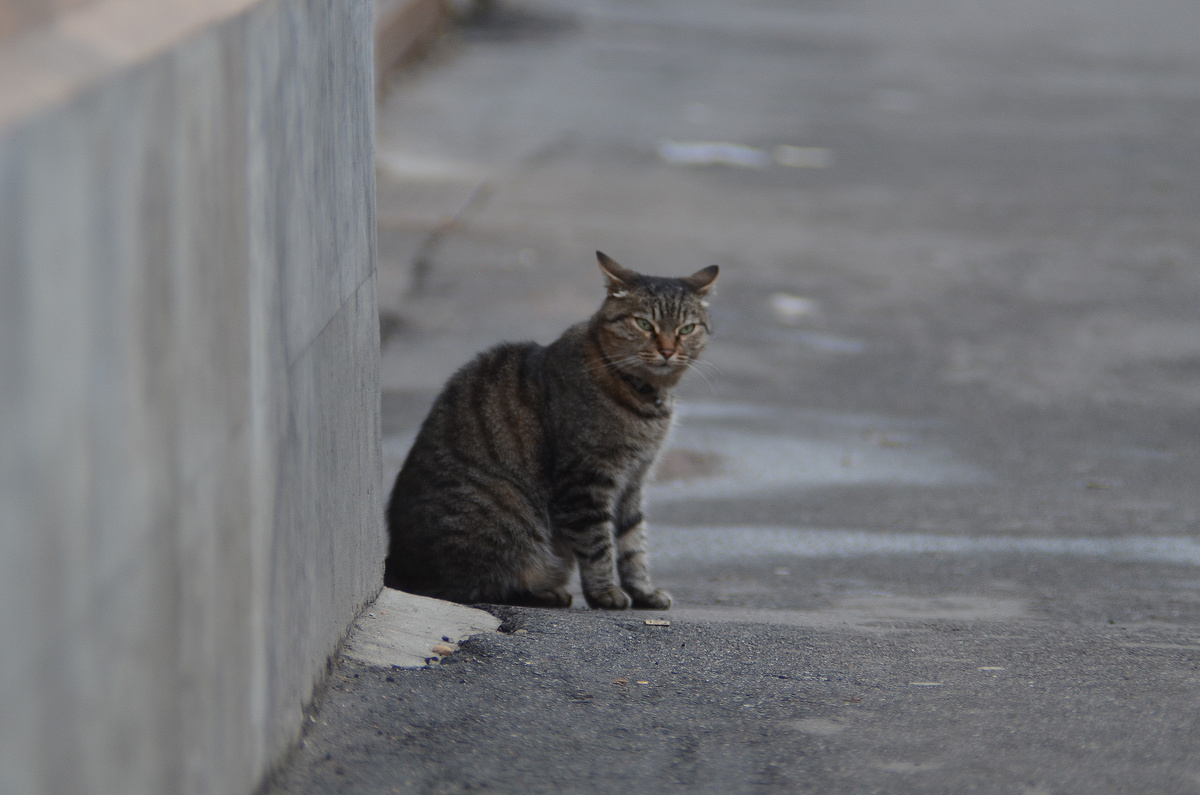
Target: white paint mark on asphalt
{"points": [[784, 417], [822, 727], [418, 168], [712, 153], [714, 544], [763, 449], [791, 308], [803, 156], [874, 613], [825, 343], [909, 767], [752, 462]]}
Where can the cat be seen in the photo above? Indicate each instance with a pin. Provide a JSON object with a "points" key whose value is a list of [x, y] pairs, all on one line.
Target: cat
{"points": [[532, 458]]}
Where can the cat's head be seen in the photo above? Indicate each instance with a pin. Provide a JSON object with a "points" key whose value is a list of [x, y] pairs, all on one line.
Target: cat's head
{"points": [[654, 326]]}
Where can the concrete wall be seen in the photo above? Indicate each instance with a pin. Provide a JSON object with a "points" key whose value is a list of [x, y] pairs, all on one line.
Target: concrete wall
{"points": [[190, 497]]}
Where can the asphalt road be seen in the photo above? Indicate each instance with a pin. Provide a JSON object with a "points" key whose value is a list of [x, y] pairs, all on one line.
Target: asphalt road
{"points": [[931, 520]]}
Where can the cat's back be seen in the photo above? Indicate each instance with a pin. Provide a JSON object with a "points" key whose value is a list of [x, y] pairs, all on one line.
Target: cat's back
{"points": [[469, 498], [489, 413]]}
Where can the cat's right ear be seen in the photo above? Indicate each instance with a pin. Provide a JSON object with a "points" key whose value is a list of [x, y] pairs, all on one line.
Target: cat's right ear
{"points": [[702, 280], [619, 279]]}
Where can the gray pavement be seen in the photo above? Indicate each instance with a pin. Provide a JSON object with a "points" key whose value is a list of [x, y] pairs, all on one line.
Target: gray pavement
{"points": [[930, 519]]}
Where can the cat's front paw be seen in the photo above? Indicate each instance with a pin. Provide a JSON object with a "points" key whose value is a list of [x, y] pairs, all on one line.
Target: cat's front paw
{"points": [[658, 599], [609, 599]]}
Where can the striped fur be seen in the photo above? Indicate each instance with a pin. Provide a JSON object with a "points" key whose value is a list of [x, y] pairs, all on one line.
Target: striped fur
{"points": [[532, 458]]}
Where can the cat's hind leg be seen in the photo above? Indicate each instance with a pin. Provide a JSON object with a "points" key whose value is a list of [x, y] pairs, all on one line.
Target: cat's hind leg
{"points": [[550, 597], [543, 583]]}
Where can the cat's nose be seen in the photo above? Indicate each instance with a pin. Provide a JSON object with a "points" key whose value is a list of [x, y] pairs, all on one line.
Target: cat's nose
{"points": [[667, 353]]}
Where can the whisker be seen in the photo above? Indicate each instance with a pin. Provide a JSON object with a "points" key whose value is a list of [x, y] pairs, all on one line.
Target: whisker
{"points": [[705, 363], [705, 370], [706, 367], [600, 364], [707, 381]]}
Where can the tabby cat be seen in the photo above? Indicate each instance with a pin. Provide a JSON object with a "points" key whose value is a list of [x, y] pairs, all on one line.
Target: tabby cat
{"points": [[532, 457]]}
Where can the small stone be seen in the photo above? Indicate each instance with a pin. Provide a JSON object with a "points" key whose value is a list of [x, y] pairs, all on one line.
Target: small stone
{"points": [[442, 649]]}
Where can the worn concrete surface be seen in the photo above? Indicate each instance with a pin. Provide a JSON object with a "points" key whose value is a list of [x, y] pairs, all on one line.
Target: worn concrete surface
{"points": [[930, 519], [190, 506], [401, 630]]}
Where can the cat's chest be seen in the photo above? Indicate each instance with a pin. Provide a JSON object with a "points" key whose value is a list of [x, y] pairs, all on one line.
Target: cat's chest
{"points": [[641, 441], [623, 442]]}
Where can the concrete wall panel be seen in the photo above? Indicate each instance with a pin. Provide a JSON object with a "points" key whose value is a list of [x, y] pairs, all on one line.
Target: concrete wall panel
{"points": [[190, 496]]}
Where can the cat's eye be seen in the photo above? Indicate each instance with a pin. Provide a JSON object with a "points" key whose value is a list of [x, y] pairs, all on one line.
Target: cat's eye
{"points": [[644, 325], [688, 329]]}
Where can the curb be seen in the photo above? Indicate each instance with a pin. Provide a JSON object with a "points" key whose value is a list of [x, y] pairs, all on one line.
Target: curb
{"points": [[400, 630]]}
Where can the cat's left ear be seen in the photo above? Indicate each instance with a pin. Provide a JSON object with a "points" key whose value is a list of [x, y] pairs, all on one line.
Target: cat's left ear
{"points": [[619, 279], [702, 280]]}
